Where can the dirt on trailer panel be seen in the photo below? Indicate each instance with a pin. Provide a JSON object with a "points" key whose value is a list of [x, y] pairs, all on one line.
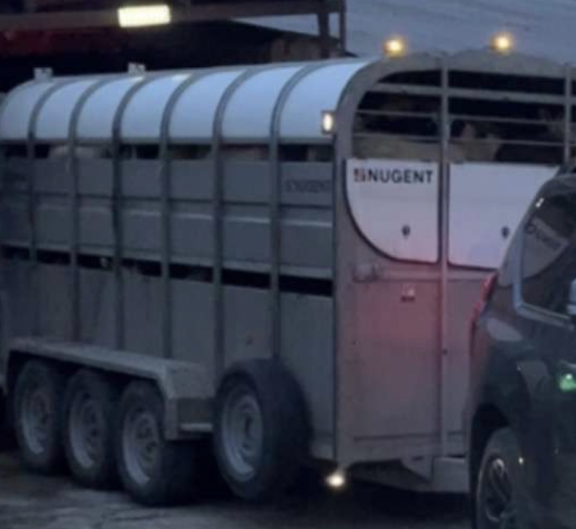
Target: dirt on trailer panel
{"points": [[35, 502]]}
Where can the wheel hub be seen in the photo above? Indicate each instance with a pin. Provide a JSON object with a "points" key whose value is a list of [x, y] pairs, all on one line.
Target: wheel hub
{"points": [[36, 419], [141, 444], [87, 426], [243, 433], [498, 505]]}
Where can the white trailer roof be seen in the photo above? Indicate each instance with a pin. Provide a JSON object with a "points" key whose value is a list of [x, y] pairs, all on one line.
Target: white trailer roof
{"points": [[247, 104], [188, 103]]}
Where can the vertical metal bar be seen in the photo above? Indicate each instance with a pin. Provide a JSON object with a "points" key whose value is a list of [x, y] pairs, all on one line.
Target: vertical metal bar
{"points": [[275, 210], [567, 114], [165, 246], [166, 183], [118, 234], [117, 206], [31, 193], [74, 219], [444, 233], [324, 30], [343, 141], [343, 27], [74, 206], [218, 220], [33, 249], [4, 311]]}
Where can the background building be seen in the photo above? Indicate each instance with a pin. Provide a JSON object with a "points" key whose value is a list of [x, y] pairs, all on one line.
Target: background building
{"points": [[540, 28]]}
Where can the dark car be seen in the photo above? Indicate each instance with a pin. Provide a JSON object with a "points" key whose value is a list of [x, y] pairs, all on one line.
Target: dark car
{"points": [[522, 409]]}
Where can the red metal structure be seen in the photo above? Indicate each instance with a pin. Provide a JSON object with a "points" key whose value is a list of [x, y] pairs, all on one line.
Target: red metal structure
{"points": [[84, 36], [43, 15]]}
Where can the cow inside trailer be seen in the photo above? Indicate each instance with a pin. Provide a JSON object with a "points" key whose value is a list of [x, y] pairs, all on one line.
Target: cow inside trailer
{"points": [[332, 220]]}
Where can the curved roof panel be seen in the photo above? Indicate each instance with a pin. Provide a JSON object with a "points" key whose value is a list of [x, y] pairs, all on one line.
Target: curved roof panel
{"points": [[54, 117], [98, 113], [320, 91], [249, 112], [145, 110], [195, 111], [17, 109]]}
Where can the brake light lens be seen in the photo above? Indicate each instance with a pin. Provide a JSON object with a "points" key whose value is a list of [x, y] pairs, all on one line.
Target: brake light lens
{"points": [[485, 294]]}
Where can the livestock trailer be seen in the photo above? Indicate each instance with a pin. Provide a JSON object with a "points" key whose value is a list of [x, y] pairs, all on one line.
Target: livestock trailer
{"points": [[281, 258]]}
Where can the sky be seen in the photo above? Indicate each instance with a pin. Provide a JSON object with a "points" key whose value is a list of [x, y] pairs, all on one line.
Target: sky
{"points": [[545, 28]]}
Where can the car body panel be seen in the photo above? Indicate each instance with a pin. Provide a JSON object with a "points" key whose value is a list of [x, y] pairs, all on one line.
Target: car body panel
{"points": [[523, 359]]}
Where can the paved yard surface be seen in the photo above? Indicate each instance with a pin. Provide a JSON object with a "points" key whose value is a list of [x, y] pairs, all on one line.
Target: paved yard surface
{"points": [[33, 502]]}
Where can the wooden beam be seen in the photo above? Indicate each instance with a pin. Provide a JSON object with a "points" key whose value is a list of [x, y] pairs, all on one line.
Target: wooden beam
{"points": [[195, 13]]}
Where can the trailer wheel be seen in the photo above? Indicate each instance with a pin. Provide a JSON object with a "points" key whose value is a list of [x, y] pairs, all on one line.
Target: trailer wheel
{"points": [[89, 417], [6, 431], [154, 471], [38, 417], [261, 432]]}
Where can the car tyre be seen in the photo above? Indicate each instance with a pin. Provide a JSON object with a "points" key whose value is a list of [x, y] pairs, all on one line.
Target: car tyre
{"points": [[500, 496]]}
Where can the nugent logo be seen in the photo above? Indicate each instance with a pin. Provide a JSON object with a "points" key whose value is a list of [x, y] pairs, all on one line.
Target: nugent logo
{"points": [[393, 175], [388, 196]]}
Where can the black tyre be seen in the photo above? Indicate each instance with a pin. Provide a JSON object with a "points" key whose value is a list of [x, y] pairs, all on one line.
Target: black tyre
{"points": [[500, 496], [261, 432], [154, 471], [90, 406], [6, 432], [38, 408]]}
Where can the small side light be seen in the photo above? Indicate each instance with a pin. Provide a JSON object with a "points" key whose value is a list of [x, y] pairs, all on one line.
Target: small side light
{"points": [[337, 480], [328, 122]]}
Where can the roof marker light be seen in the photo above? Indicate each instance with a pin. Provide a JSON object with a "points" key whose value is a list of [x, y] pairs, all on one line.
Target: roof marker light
{"points": [[503, 43], [395, 47], [143, 16]]}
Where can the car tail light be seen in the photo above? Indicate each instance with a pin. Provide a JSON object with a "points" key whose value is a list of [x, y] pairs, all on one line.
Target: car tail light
{"points": [[485, 295]]}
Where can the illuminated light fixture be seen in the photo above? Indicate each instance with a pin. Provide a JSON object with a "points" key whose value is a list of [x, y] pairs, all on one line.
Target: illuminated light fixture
{"points": [[143, 16], [328, 122], [503, 43], [336, 480], [395, 47], [567, 383]]}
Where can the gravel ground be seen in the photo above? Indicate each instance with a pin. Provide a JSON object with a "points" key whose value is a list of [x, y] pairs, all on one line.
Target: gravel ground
{"points": [[35, 502]]}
